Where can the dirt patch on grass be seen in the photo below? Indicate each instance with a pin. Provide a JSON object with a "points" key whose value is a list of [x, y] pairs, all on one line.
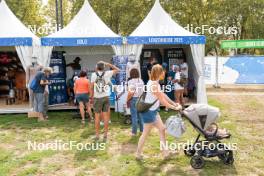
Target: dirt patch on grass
{"points": [[59, 164]]}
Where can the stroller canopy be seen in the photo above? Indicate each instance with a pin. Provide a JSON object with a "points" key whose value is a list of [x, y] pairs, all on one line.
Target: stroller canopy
{"points": [[202, 115]]}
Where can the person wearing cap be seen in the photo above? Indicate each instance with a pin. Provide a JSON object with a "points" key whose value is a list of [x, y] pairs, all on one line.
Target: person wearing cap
{"points": [[100, 92], [75, 65], [41, 80]]}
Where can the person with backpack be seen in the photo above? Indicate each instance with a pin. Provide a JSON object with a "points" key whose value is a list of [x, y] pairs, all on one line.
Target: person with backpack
{"points": [[148, 110], [38, 86], [100, 92]]}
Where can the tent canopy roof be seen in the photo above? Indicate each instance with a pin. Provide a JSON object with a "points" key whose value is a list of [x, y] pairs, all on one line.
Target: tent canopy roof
{"points": [[12, 31], [159, 28], [86, 28]]}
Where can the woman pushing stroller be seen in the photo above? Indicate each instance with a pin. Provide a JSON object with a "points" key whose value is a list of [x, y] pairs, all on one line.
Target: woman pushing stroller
{"points": [[151, 117]]}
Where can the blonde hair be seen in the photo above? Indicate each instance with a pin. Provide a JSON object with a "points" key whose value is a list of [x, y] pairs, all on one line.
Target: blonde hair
{"points": [[156, 72]]}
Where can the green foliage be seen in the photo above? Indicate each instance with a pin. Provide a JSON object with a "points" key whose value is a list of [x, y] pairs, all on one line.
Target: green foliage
{"points": [[50, 12], [28, 11], [118, 157], [123, 16]]}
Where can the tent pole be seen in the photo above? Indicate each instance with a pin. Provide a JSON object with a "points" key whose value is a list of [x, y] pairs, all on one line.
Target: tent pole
{"points": [[61, 14], [57, 15], [216, 69]]}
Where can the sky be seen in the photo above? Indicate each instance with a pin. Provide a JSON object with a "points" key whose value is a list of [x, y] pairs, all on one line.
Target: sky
{"points": [[45, 2]]}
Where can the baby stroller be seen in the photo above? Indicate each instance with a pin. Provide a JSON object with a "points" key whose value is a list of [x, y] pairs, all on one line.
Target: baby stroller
{"points": [[122, 108], [203, 117]]}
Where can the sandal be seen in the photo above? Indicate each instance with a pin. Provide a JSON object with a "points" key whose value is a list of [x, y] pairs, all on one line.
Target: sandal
{"points": [[83, 122], [105, 139], [139, 157]]}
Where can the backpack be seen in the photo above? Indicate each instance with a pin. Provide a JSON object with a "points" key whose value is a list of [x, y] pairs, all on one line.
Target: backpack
{"points": [[100, 83], [33, 85]]}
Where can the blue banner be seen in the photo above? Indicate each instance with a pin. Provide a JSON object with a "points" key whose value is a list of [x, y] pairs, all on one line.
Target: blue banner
{"points": [[58, 87], [19, 41], [92, 41], [166, 40], [121, 63]]}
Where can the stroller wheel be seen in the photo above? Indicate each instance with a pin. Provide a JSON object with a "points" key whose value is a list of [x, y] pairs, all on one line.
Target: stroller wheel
{"points": [[197, 162], [128, 120], [189, 150], [227, 157]]}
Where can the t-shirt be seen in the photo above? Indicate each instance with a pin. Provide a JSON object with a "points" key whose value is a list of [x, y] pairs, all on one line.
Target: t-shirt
{"points": [[178, 78], [81, 86], [130, 66], [40, 88], [107, 77], [136, 85]]}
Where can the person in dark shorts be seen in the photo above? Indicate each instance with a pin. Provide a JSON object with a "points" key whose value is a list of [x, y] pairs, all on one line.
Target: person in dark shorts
{"points": [[100, 92], [82, 90]]}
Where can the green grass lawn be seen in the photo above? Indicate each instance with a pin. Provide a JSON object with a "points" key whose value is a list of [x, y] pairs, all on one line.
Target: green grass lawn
{"points": [[241, 116]]}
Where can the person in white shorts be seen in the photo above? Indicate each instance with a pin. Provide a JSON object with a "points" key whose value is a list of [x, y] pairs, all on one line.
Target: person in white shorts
{"points": [[178, 88], [184, 71]]}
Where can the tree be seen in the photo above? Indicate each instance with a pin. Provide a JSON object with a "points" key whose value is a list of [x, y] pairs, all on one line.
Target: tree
{"points": [[50, 12], [28, 11], [122, 16]]}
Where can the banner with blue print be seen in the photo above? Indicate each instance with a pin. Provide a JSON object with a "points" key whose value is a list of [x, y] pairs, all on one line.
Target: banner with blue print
{"points": [[166, 40], [121, 63], [18, 41], [235, 70], [58, 88], [58, 92], [92, 41]]}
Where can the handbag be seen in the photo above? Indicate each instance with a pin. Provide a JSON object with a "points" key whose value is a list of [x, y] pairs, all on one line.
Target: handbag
{"points": [[33, 85], [175, 126], [141, 105]]}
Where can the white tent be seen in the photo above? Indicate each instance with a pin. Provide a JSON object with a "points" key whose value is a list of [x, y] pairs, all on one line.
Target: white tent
{"points": [[158, 28], [86, 29], [86, 36], [14, 33]]}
